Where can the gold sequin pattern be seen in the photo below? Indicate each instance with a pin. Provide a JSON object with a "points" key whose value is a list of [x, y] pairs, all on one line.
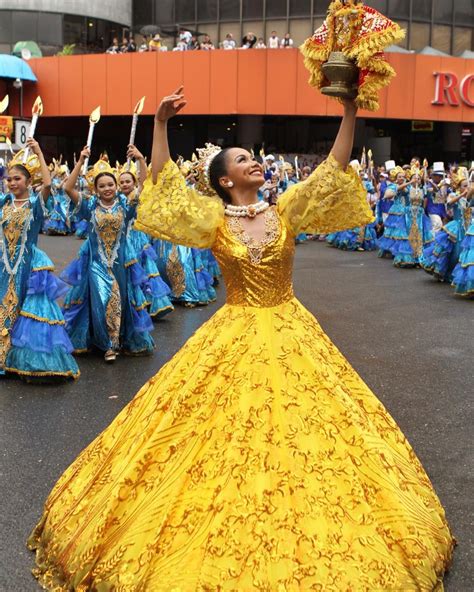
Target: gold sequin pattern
{"points": [[256, 459], [175, 273], [256, 273], [113, 314], [108, 225], [14, 222]]}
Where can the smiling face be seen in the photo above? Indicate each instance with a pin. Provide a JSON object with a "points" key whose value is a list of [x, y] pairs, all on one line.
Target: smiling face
{"points": [[242, 170], [401, 178], [18, 183], [106, 188], [127, 183]]}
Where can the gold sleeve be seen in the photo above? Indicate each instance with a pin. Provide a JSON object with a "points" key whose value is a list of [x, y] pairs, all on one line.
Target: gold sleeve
{"points": [[330, 199], [172, 211]]}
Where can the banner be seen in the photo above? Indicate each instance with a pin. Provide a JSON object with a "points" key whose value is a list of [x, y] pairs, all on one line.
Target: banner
{"points": [[6, 127]]}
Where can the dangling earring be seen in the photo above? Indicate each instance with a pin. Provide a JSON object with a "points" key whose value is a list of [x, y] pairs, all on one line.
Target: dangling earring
{"points": [[230, 184]]}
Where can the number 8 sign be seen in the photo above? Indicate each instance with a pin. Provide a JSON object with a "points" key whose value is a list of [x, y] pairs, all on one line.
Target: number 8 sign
{"points": [[22, 129]]}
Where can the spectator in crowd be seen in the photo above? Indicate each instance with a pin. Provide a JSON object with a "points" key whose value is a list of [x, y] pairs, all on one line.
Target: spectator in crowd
{"points": [[260, 44], [155, 44], [229, 42], [194, 43], [249, 41], [115, 47], [128, 45], [185, 36], [273, 41], [143, 45], [206, 43], [181, 46], [286, 42]]}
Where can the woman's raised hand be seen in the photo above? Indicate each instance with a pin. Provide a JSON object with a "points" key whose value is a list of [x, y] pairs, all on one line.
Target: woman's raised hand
{"points": [[85, 153], [171, 105], [134, 153], [33, 145]]}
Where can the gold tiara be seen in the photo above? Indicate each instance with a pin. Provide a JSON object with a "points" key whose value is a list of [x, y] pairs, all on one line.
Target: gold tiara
{"points": [[32, 164], [201, 168]]}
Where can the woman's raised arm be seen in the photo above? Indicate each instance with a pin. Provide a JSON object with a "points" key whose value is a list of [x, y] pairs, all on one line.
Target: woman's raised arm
{"points": [[342, 148], [70, 184], [169, 107]]}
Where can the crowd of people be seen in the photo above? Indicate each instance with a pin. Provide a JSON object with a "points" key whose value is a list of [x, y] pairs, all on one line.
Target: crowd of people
{"points": [[123, 278], [186, 41]]}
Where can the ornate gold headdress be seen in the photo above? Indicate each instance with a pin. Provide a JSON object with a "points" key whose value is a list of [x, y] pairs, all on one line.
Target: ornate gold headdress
{"points": [[32, 164], [101, 166], [461, 175], [128, 168], [413, 170], [395, 171], [201, 169]]}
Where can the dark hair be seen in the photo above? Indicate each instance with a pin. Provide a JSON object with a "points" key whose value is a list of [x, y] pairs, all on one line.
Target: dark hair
{"points": [[23, 170], [100, 175], [217, 170]]}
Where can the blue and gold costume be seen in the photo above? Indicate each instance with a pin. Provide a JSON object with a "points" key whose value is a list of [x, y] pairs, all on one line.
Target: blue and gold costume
{"points": [[442, 256], [106, 306], [33, 339]]}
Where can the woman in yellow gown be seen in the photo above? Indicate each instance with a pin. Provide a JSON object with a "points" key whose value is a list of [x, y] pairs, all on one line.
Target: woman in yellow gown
{"points": [[256, 459]]}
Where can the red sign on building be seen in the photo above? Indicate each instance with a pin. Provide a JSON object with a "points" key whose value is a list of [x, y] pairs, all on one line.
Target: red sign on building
{"points": [[449, 91]]}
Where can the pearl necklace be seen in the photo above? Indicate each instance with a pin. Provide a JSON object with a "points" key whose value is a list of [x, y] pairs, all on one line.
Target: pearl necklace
{"points": [[107, 206], [249, 211]]}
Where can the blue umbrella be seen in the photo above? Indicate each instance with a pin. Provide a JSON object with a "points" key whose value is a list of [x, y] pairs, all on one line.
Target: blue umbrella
{"points": [[13, 67]]}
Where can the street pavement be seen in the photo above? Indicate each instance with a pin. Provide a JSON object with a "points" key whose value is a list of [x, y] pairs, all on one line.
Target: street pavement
{"points": [[408, 336]]}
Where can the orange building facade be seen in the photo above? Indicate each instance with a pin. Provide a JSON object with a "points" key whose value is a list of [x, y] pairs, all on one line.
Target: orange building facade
{"points": [[264, 82], [269, 85]]}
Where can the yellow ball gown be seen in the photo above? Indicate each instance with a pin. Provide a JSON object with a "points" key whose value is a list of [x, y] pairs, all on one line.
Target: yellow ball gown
{"points": [[256, 459]]}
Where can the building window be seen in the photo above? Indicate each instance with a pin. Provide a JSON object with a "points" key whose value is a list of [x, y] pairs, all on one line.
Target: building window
{"points": [[277, 8], [399, 8], [74, 30], [441, 38], [422, 10], [50, 28], [320, 7], [164, 12], [419, 36], [5, 26], [143, 12], [229, 10], [380, 5], [207, 10], [185, 11], [252, 9], [464, 12], [443, 11], [24, 26], [300, 7], [463, 39]]}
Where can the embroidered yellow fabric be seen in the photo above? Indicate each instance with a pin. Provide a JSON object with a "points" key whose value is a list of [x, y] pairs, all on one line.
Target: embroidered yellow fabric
{"points": [[330, 199], [172, 211], [256, 459]]}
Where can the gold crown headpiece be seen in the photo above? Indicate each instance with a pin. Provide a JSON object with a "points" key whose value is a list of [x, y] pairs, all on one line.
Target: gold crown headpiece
{"points": [[414, 170], [201, 169], [130, 168], [32, 165], [461, 175], [395, 171], [101, 166]]}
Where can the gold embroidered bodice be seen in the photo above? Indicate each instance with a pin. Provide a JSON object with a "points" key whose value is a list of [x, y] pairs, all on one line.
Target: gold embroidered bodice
{"points": [[109, 224], [256, 273], [14, 220]]}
